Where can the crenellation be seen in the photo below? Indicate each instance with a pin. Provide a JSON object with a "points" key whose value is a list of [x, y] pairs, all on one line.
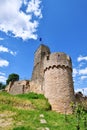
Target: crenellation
{"points": [[57, 59], [58, 81], [51, 76], [58, 66]]}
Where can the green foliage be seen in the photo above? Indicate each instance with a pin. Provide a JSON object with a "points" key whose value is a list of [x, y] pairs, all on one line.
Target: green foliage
{"points": [[39, 100], [31, 95], [20, 128], [12, 77], [24, 101], [18, 110], [2, 86], [80, 114]]}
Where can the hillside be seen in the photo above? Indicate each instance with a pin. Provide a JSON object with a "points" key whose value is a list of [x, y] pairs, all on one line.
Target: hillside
{"points": [[32, 112]]}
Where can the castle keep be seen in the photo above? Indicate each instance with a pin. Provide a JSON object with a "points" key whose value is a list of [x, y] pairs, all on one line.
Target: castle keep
{"points": [[51, 76], [38, 70]]}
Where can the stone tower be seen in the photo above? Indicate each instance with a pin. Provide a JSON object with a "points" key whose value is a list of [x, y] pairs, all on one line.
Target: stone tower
{"points": [[38, 70], [58, 83], [51, 76]]}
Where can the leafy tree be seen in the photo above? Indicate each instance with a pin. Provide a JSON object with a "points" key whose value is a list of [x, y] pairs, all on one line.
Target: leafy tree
{"points": [[2, 86], [12, 77]]}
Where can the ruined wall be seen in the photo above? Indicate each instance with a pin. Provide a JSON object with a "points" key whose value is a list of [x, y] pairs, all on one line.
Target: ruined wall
{"points": [[36, 87], [18, 87], [58, 83], [51, 76], [81, 99]]}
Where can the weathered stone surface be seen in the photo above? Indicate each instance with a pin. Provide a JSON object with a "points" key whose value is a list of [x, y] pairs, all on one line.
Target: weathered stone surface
{"points": [[51, 76], [36, 87], [58, 83], [18, 87], [38, 70]]}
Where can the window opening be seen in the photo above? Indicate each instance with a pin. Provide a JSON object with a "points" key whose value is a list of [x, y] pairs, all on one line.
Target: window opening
{"points": [[47, 57]]}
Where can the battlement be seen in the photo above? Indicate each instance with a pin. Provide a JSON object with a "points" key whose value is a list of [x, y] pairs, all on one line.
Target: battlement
{"points": [[52, 76], [58, 81], [57, 67], [56, 60]]}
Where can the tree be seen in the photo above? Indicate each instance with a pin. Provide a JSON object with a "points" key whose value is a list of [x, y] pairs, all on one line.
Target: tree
{"points": [[12, 77], [2, 86]]}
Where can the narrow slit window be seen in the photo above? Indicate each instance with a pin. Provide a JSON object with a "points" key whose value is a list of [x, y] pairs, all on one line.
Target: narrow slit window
{"points": [[43, 53], [58, 56], [47, 57]]}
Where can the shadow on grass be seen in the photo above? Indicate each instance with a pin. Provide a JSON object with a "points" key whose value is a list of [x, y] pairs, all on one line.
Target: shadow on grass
{"points": [[20, 128]]}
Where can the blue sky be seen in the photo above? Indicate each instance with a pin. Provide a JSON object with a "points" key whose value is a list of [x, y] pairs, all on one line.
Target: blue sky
{"points": [[62, 24]]}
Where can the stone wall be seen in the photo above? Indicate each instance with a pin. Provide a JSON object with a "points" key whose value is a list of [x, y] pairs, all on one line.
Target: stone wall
{"points": [[18, 87], [40, 53], [38, 70], [81, 99], [36, 87], [58, 83], [51, 76]]}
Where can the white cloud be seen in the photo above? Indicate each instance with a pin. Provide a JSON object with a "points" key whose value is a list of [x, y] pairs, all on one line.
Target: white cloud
{"points": [[13, 53], [81, 58], [3, 63], [1, 39], [81, 64], [83, 77], [34, 7], [25, 2], [3, 79], [80, 74], [75, 72], [5, 49], [1, 73], [83, 71], [18, 23]]}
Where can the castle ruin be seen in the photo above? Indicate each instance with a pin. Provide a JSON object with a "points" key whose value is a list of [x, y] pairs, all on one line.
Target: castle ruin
{"points": [[51, 76]]}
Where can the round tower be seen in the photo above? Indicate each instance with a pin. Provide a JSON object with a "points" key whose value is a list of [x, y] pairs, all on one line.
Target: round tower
{"points": [[58, 82]]}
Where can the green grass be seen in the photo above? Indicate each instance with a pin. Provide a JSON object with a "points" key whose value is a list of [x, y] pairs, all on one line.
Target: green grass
{"points": [[22, 112], [31, 96]]}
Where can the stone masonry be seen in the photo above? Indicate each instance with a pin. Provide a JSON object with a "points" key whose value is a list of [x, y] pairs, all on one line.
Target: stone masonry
{"points": [[18, 87], [58, 83], [38, 70], [51, 76]]}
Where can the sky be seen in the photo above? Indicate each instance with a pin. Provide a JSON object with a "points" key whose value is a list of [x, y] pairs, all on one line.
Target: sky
{"points": [[62, 25]]}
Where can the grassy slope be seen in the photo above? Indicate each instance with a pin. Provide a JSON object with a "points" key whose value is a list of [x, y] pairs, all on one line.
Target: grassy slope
{"points": [[22, 112]]}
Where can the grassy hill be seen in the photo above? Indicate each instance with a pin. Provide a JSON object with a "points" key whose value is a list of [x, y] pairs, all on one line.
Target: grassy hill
{"points": [[32, 112]]}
